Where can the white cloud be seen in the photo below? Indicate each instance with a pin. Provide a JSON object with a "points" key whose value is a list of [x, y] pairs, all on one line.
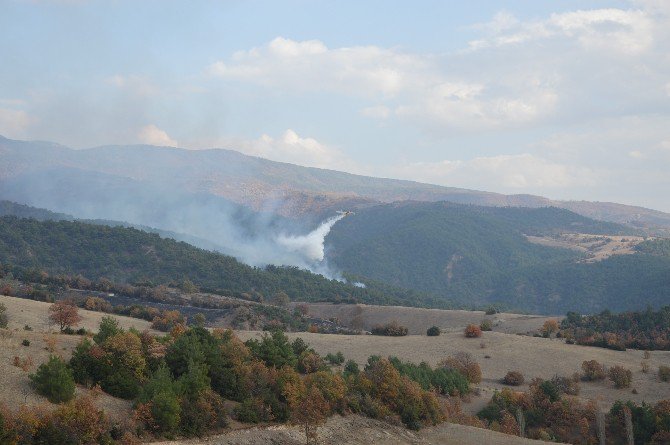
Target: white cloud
{"points": [[13, 123], [152, 135], [503, 173], [311, 66], [292, 148], [617, 30]]}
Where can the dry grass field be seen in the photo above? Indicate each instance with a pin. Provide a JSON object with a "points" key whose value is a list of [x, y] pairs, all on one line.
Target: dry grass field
{"points": [[597, 247], [417, 320]]}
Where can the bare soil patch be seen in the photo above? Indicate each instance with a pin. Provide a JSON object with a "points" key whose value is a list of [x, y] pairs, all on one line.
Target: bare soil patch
{"points": [[356, 430]]}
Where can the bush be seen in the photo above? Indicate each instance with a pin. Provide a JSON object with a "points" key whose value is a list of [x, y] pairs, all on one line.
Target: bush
{"points": [[27, 328], [25, 342], [592, 370], [621, 376], [54, 380], [567, 385], [491, 310], [486, 325], [465, 364], [4, 320], [513, 378], [664, 373], [472, 331], [433, 331], [392, 329], [335, 359]]}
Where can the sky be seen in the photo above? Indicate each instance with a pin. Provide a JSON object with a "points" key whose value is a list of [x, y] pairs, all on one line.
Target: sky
{"points": [[565, 99]]}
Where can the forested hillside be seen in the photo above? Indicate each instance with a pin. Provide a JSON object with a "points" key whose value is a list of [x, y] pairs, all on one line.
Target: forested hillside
{"points": [[476, 254], [129, 255]]}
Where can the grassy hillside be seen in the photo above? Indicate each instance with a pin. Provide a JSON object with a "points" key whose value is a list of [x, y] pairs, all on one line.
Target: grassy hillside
{"points": [[480, 255], [128, 255]]}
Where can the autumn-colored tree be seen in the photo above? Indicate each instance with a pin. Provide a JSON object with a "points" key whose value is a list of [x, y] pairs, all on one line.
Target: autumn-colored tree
{"points": [[465, 364], [65, 314], [621, 376], [472, 331], [549, 327], [309, 410], [513, 378], [592, 370]]}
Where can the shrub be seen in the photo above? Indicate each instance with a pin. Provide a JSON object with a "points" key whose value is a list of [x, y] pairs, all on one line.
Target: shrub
{"points": [[465, 364], [54, 380], [392, 329], [486, 325], [25, 342], [473, 331], [27, 328], [567, 385], [109, 327], [592, 370], [549, 327], [4, 320], [645, 366], [621, 376], [664, 373], [351, 368], [335, 359], [513, 378], [433, 331], [491, 310]]}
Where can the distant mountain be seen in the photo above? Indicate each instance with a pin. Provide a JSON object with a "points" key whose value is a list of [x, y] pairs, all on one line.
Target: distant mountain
{"points": [[480, 255], [51, 175]]}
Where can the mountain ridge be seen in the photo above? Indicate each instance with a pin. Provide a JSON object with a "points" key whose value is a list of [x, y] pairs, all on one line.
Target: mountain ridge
{"points": [[290, 190]]}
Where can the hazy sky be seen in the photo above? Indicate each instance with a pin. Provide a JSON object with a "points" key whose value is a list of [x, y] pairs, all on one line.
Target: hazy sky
{"points": [[568, 99]]}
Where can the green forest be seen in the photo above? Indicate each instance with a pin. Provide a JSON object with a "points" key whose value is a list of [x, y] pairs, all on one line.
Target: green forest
{"points": [[129, 255], [477, 254]]}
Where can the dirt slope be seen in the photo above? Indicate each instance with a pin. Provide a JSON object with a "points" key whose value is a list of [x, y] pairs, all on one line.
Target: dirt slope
{"points": [[356, 430]]}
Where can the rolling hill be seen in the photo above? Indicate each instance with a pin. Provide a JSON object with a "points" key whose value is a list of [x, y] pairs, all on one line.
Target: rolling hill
{"points": [[481, 255], [129, 255]]}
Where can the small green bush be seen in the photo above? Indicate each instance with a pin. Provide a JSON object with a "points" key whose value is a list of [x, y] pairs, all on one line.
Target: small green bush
{"points": [[664, 373], [53, 380], [4, 320], [433, 331], [25, 342], [486, 325]]}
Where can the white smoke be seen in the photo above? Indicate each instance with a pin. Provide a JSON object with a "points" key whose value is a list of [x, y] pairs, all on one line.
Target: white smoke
{"points": [[309, 246]]}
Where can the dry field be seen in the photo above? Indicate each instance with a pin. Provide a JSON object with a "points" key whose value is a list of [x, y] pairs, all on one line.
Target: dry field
{"points": [[597, 247], [417, 320]]}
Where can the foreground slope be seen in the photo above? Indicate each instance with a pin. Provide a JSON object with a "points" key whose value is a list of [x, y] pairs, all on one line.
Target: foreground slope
{"points": [[356, 430]]}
